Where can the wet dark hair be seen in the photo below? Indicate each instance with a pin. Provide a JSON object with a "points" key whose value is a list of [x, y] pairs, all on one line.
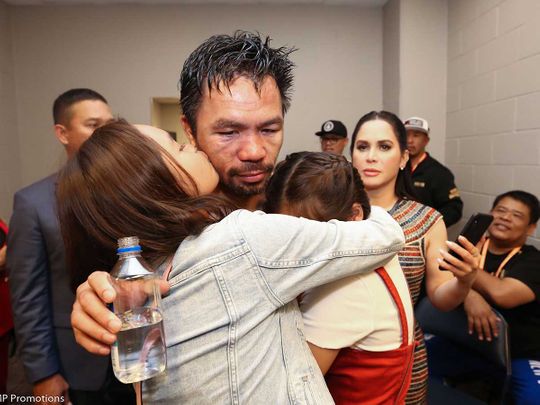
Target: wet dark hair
{"points": [[316, 185], [219, 60], [64, 102], [404, 188], [524, 197], [118, 184]]}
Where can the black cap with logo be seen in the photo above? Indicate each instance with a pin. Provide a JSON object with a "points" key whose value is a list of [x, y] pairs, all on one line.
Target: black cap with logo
{"points": [[333, 127]]}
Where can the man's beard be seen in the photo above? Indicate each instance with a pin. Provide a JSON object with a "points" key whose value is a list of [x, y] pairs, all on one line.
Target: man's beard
{"points": [[247, 189]]}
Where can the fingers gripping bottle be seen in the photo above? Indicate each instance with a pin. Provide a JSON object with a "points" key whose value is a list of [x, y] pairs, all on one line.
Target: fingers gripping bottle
{"points": [[139, 352]]}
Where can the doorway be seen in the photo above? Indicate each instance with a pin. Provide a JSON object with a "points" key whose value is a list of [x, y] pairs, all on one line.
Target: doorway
{"points": [[166, 114]]}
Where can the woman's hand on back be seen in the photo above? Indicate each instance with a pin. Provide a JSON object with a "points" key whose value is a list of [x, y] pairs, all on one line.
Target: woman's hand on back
{"points": [[94, 325]]}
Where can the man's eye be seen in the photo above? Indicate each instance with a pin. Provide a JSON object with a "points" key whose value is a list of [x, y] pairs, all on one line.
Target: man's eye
{"points": [[269, 131], [226, 133]]}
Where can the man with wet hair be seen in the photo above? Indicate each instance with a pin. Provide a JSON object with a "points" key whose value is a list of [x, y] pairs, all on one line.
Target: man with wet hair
{"points": [[40, 294], [234, 93]]}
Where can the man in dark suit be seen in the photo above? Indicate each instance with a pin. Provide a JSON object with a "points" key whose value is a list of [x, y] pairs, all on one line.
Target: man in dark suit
{"points": [[40, 294]]}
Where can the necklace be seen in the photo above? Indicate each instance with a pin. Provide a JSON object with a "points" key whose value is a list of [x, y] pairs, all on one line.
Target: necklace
{"points": [[422, 158], [500, 270]]}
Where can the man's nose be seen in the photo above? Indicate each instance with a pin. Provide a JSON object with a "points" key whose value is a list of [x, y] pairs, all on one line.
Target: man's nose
{"points": [[251, 148], [506, 216]]}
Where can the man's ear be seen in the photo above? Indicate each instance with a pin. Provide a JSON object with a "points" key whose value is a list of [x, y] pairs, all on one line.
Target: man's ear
{"points": [[61, 133], [531, 229], [357, 212], [188, 130]]}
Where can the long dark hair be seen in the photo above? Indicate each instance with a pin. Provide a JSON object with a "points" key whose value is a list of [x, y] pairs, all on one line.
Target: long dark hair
{"points": [[118, 184], [316, 185], [404, 188]]}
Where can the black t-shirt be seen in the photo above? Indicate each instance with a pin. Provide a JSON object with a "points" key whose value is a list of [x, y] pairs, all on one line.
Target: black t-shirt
{"points": [[434, 186], [524, 320]]}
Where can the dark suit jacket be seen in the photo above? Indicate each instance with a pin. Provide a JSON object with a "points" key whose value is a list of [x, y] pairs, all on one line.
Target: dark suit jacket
{"points": [[40, 293]]}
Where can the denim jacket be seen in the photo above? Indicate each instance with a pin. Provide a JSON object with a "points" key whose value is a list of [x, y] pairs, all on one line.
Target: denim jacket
{"points": [[233, 329]]}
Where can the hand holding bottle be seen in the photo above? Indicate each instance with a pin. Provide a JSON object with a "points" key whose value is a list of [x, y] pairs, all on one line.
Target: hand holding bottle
{"points": [[94, 325]]}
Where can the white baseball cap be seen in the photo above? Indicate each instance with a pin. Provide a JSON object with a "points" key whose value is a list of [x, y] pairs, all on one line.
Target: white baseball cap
{"points": [[417, 124]]}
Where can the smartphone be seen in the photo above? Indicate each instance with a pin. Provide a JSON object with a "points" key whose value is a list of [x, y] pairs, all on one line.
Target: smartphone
{"points": [[474, 229]]}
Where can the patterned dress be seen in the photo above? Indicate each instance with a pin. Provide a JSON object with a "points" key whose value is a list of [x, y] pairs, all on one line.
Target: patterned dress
{"points": [[416, 220]]}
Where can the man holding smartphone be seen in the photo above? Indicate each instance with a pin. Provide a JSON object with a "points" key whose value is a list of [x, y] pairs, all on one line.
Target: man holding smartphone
{"points": [[510, 282]]}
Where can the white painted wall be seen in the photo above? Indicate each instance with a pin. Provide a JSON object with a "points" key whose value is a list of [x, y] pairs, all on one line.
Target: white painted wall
{"points": [[391, 54], [493, 129], [414, 64], [423, 61], [132, 53], [9, 149]]}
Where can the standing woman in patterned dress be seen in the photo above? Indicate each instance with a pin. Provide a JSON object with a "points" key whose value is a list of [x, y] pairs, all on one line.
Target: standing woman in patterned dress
{"points": [[379, 152]]}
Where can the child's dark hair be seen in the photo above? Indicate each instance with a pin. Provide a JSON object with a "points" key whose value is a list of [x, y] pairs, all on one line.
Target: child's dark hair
{"points": [[316, 185]]}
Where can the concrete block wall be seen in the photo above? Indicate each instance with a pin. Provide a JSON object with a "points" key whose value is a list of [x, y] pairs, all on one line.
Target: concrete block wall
{"points": [[9, 141], [493, 100]]}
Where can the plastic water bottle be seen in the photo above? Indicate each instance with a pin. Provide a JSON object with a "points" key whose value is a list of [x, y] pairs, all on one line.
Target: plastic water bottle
{"points": [[139, 352]]}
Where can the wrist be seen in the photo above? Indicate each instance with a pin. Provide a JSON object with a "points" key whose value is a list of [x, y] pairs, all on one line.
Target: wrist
{"points": [[468, 300], [465, 283]]}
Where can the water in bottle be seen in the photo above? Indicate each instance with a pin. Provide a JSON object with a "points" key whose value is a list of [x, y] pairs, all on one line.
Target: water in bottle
{"points": [[139, 352]]}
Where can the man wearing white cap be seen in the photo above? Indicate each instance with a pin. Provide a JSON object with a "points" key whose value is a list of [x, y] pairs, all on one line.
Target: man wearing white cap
{"points": [[433, 182]]}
